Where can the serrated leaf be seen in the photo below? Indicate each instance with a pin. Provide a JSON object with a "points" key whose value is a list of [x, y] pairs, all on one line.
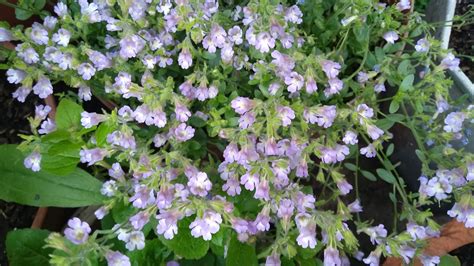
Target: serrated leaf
{"points": [[184, 244], [407, 83], [386, 175], [369, 175], [239, 254], [25, 247], [43, 189], [68, 115]]}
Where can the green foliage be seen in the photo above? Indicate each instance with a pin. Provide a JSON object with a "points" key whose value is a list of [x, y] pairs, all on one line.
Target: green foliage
{"points": [[43, 189], [68, 115], [26, 247], [448, 260], [240, 253]]}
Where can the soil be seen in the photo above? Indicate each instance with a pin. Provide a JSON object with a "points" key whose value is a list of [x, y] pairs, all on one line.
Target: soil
{"points": [[13, 122], [462, 40]]}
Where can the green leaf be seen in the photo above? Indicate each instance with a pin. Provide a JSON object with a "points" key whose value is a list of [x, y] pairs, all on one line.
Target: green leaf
{"points": [[351, 166], [448, 260], [196, 121], [386, 175], [390, 149], [43, 189], [22, 14], [154, 253], [102, 131], [39, 4], [184, 244], [394, 106], [407, 83], [61, 158], [25, 247], [369, 175], [239, 254], [68, 115], [420, 155]]}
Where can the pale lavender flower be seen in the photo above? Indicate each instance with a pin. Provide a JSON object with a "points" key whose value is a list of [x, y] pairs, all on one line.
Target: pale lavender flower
{"points": [[403, 5], [373, 259], [311, 86], [168, 223], [5, 35], [21, 93], [232, 186], [91, 156], [89, 120], [470, 171], [60, 9], [247, 120], [86, 70], [165, 197], [350, 138], [429, 260], [182, 113], [77, 231], [115, 258], [376, 233], [262, 191], [379, 87], [52, 54], [362, 77], [90, 11], [202, 92], [264, 42], [15, 76], [250, 181], [135, 240], [391, 37], [212, 91], [331, 257], [47, 126], [369, 151], [39, 34], [41, 111], [65, 61], [262, 222], [323, 116], [235, 35], [304, 202], [463, 214], [122, 139], [149, 61], [185, 59], [285, 209], [33, 161], [344, 186], [139, 220], [109, 188], [99, 60], [407, 253], [365, 111], [84, 93], [355, 206], [450, 62], [294, 81], [242, 104], [199, 184], [422, 45], [453, 122], [43, 88], [231, 152], [374, 132], [286, 115], [283, 62], [137, 9], [130, 46], [101, 212], [62, 37], [335, 86], [294, 15], [159, 140], [331, 68], [273, 260], [206, 226], [416, 231], [183, 132], [29, 55], [143, 197], [227, 53]]}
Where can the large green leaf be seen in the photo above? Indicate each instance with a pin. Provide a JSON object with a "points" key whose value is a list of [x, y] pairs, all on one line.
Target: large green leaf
{"points": [[61, 158], [25, 247], [154, 253], [68, 115], [42, 189], [240, 254], [184, 244]]}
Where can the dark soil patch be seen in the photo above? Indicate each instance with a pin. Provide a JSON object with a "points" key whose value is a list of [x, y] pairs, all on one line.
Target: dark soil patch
{"points": [[13, 122], [462, 39]]}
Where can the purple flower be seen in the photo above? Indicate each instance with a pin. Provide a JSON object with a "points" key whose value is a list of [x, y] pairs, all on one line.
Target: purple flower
{"points": [[86, 70], [403, 5], [369, 151], [185, 59], [463, 213], [262, 222], [232, 186], [264, 42], [304, 202], [429, 260], [231, 153], [43, 88], [101, 212], [33, 161], [109, 188], [422, 45], [84, 93], [21, 93], [99, 60], [344, 186], [450, 62], [168, 223], [62, 37], [365, 111], [375, 233], [273, 260], [262, 191], [39, 34], [183, 132], [416, 231], [135, 240], [139, 220], [374, 132], [50, 22], [453, 122], [235, 35], [333, 155], [47, 126], [470, 171], [331, 68], [206, 226], [335, 86], [379, 87], [91, 156], [294, 81], [283, 62], [60, 9], [137, 9], [294, 15], [362, 77], [77, 231], [42, 111], [241, 105], [89, 120], [250, 181], [311, 86], [323, 116], [15, 76], [28, 54], [286, 114], [355, 206], [182, 113], [5, 35], [350, 138], [199, 184], [373, 259], [391, 37], [115, 258], [65, 61], [247, 120], [285, 209], [123, 81], [130, 46], [307, 237], [142, 197], [331, 257], [438, 187], [407, 253]]}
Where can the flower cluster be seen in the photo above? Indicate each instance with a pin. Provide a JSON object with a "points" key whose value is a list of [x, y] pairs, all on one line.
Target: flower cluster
{"points": [[233, 121]]}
